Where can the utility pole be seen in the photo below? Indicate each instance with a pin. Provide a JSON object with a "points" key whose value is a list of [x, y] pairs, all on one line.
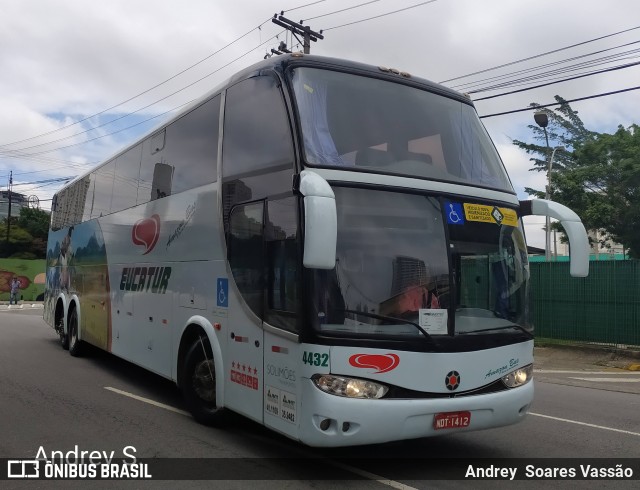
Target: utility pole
{"points": [[9, 213], [297, 29]]}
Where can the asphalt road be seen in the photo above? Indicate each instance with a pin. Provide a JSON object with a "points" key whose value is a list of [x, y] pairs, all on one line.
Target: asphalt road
{"points": [[52, 401]]}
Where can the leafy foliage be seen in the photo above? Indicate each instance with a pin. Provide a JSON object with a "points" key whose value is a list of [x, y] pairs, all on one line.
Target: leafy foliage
{"points": [[27, 234], [597, 175]]}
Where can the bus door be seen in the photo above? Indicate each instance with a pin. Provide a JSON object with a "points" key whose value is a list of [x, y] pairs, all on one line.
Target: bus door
{"points": [[244, 362]]}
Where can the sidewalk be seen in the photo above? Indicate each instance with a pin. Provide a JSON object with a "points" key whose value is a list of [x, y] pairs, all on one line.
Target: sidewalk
{"points": [[585, 358], [4, 305]]}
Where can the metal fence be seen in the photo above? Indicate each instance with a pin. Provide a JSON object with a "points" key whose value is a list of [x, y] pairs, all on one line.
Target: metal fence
{"points": [[602, 308]]}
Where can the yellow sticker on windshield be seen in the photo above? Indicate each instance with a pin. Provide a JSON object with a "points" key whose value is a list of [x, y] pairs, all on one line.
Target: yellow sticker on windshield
{"points": [[490, 214]]}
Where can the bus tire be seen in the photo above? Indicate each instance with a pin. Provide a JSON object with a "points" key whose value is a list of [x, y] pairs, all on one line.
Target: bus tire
{"points": [[64, 337], [75, 344], [198, 383]]}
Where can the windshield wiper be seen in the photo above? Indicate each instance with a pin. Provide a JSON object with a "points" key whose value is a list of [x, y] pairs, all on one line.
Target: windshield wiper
{"points": [[389, 319], [513, 325]]}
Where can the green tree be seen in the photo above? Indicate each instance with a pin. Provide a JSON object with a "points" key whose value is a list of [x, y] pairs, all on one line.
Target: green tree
{"points": [[27, 235], [19, 242], [35, 221], [565, 129], [604, 187], [597, 175]]}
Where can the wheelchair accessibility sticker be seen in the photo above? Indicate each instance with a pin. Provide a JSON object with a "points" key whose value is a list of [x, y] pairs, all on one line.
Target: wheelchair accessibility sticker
{"points": [[455, 215], [459, 213], [222, 293]]}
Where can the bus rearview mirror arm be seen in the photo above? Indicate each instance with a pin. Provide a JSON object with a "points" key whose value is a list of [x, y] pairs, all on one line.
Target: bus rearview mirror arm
{"points": [[570, 221], [320, 221]]}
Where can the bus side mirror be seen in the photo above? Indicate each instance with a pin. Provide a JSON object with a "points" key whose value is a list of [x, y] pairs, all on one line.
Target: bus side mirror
{"points": [[570, 221], [320, 222]]}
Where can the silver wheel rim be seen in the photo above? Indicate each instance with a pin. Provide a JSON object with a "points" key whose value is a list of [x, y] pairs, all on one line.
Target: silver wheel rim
{"points": [[204, 384]]}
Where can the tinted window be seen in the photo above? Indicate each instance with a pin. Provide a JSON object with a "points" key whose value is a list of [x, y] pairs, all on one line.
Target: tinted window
{"points": [[103, 190], [151, 148], [68, 205], [282, 263], [125, 189], [89, 198], [257, 148], [361, 122], [256, 128], [183, 156], [57, 209], [246, 253]]}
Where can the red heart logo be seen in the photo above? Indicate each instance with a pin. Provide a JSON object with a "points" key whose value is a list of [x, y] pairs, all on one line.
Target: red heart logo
{"points": [[381, 362], [146, 232]]}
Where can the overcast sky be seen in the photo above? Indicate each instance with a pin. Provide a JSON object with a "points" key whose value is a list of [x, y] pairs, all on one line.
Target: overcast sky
{"points": [[64, 60]]}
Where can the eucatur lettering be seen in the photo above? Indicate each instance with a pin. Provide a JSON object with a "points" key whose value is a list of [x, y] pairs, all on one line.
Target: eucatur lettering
{"points": [[154, 279]]}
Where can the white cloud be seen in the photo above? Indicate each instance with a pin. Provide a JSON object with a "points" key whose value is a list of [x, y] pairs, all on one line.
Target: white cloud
{"points": [[64, 59]]}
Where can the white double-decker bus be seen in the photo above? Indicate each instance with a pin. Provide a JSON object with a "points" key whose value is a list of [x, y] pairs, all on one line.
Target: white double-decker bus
{"points": [[331, 249]]}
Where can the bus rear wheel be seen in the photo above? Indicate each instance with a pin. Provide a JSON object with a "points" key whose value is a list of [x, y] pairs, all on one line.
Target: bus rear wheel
{"points": [[75, 343], [198, 383], [64, 338]]}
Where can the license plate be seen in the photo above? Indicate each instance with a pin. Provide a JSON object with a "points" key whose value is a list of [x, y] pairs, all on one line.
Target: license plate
{"points": [[451, 420]]}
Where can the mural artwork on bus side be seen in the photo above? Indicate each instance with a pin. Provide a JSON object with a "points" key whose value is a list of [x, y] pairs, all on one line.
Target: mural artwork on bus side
{"points": [[77, 265]]}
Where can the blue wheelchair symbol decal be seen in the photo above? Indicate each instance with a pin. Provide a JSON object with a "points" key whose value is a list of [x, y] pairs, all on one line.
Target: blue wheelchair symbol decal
{"points": [[222, 294], [455, 215]]}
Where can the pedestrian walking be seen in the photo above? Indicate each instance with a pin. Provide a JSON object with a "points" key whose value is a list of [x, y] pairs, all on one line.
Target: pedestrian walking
{"points": [[14, 294]]}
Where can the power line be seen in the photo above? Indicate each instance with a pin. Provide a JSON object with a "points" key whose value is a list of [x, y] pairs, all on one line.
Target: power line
{"points": [[159, 84], [538, 106], [621, 67], [381, 15], [158, 115], [57, 179], [547, 77], [341, 10], [540, 55], [464, 87]]}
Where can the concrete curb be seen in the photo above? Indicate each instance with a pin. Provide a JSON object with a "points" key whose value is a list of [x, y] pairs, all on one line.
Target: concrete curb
{"points": [[23, 306], [627, 351]]}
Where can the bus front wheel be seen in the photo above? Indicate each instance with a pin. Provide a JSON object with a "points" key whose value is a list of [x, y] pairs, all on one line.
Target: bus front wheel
{"points": [[74, 342], [198, 383]]}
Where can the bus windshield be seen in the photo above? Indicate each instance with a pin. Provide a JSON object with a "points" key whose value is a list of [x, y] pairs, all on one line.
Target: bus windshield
{"points": [[359, 122], [392, 276]]}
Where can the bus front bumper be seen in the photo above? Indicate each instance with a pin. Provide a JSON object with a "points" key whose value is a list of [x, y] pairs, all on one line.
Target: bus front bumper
{"points": [[331, 421]]}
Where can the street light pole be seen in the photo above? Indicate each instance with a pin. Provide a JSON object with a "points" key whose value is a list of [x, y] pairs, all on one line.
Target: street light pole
{"points": [[542, 120], [548, 197]]}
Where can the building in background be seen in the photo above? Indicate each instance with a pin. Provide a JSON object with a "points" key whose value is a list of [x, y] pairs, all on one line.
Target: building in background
{"points": [[18, 201]]}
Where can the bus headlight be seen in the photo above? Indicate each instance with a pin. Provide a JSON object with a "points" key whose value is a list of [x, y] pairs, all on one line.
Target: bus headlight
{"points": [[518, 377], [349, 387]]}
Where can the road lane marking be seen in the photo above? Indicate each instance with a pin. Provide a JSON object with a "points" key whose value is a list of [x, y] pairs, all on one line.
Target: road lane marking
{"points": [[352, 469], [147, 400], [628, 432], [604, 380], [561, 371]]}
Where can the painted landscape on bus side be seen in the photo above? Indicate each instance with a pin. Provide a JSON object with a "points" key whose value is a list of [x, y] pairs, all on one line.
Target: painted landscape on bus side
{"points": [[77, 264]]}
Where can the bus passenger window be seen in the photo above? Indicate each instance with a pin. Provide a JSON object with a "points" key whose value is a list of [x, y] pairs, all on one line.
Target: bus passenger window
{"points": [[282, 264], [257, 136], [246, 253]]}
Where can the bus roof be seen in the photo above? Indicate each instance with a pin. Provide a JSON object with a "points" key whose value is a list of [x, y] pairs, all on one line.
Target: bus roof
{"points": [[280, 63]]}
